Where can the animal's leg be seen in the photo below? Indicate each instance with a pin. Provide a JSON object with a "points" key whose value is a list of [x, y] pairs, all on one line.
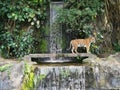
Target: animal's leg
{"points": [[76, 50], [72, 50], [88, 48]]}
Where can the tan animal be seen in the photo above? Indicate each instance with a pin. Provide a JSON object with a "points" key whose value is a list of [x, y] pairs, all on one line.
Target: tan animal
{"points": [[81, 43]]}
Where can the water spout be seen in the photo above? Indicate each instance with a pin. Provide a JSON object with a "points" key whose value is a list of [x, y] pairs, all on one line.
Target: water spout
{"points": [[55, 30]]}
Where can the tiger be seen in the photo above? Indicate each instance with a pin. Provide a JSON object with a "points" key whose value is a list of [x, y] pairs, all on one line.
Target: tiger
{"points": [[81, 43]]}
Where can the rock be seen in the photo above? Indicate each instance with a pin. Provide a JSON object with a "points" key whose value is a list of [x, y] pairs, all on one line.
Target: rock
{"points": [[93, 59], [16, 75], [11, 78], [106, 72], [100, 74]]}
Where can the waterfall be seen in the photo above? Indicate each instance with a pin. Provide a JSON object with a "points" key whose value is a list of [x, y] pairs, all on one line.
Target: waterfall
{"points": [[55, 30], [62, 78]]}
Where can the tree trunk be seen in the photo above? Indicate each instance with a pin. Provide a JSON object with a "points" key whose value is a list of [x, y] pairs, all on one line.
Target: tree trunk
{"points": [[112, 11]]}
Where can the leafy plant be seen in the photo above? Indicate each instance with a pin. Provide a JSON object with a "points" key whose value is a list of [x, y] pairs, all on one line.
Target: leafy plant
{"points": [[5, 67], [80, 15], [95, 49], [17, 19], [23, 45], [28, 82], [42, 76], [16, 45], [116, 47]]}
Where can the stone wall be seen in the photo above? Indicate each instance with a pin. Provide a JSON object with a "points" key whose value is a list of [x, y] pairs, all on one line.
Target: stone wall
{"points": [[95, 74]]}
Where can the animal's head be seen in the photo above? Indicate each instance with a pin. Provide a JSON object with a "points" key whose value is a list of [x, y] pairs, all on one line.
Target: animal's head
{"points": [[92, 39]]}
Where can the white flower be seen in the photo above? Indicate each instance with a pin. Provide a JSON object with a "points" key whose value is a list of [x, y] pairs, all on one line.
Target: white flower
{"points": [[34, 19], [32, 23], [38, 22]]}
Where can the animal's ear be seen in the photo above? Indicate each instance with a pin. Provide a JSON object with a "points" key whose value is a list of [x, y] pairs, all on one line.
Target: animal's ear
{"points": [[95, 34]]}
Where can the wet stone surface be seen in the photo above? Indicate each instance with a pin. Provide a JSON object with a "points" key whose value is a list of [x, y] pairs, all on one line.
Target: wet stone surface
{"points": [[63, 78]]}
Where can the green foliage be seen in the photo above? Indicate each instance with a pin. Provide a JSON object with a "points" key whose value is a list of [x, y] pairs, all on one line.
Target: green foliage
{"points": [[17, 41], [116, 47], [79, 59], [63, 45], [5, 67], [27, 68], [23, 44], [16, 45], [43, 46], [42, 76], [79, 19], [64, 73], [31, 80], [28, 82], [18, 11], [95, 49], [80, 15]]}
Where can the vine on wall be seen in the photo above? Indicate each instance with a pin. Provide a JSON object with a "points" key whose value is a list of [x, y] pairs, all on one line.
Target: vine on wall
{"points": [[20, 20]]}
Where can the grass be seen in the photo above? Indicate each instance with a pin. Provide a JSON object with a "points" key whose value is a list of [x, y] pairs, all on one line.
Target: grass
{"points": [[5, 67]]}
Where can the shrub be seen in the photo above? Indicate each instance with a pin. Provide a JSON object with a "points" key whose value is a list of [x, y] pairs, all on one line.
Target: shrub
{"points": [[17, 44]]}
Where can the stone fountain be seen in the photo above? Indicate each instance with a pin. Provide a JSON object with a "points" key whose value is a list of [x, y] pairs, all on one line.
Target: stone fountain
{"points": [[97, 74], [91, 76], [55, 54]]}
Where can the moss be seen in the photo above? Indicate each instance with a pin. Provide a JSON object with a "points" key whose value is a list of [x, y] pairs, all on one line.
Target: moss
{"points": [[28, 81], [65, 73], [46, 30], [64, 42], [5, 67], [42, 76], [43, 46]]}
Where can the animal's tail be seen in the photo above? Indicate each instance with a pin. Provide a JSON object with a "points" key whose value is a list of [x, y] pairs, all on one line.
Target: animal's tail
{"points": [[69, 46]]}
